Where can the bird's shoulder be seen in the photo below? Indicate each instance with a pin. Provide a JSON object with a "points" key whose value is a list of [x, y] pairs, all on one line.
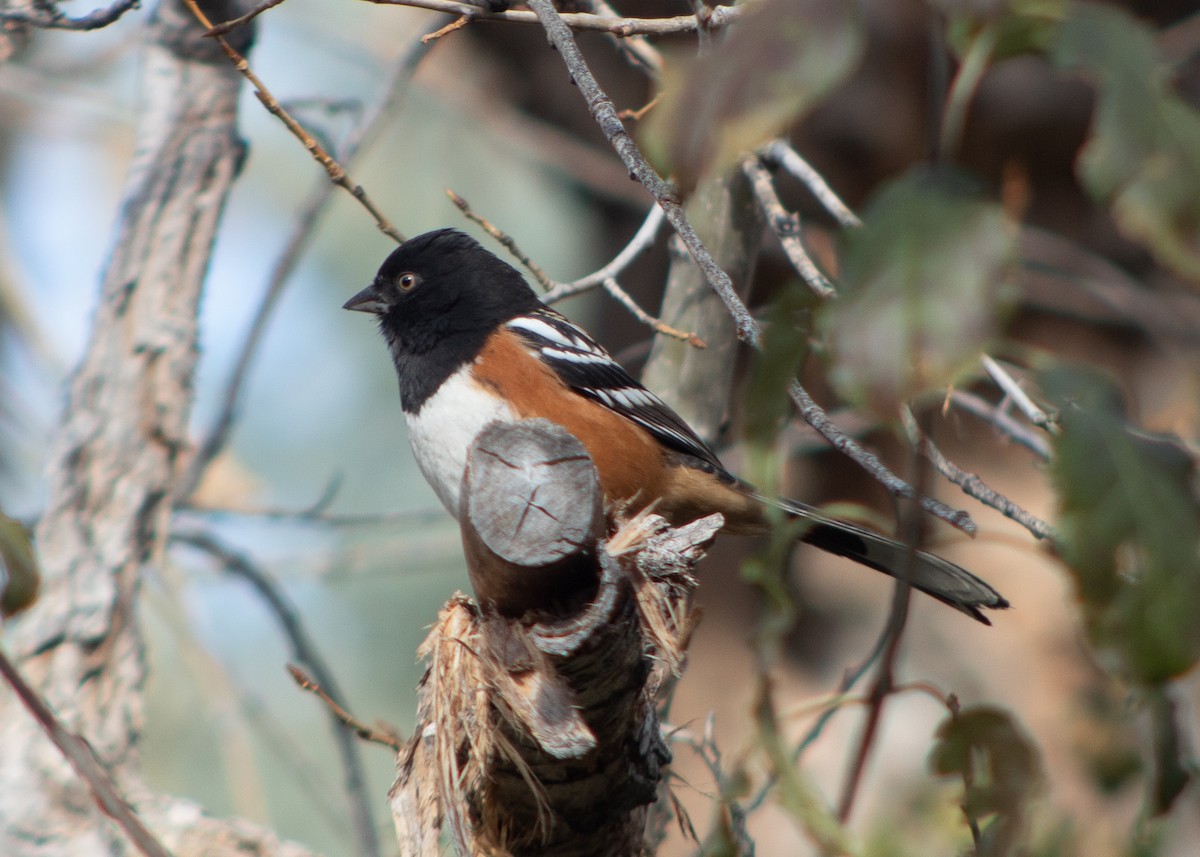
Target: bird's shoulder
{"points": [[588, 369]]}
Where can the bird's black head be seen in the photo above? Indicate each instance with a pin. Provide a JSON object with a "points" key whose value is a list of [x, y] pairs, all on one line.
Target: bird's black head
{"points": [[438, 297], [442, 284]]}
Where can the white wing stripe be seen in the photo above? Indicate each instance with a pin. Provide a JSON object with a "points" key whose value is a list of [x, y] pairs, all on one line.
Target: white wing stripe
{"points": [[543, 330], [575, 356]]}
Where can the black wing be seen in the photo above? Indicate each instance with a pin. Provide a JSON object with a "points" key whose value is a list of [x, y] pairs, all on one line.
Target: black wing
{"points": [[587, 368]]}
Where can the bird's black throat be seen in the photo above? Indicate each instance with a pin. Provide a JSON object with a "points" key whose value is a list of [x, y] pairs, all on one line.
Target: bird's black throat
{"points": [[424, 363]]}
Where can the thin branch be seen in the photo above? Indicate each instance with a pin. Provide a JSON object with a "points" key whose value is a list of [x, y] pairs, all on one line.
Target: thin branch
{"points": [[504, 238], [849, 679], [414, 518], [48, 16], [706, 748], [1012, 389], [638, 114], [786, 226], [885, 677], [605, 114], [635, 48], [233, 23], [781, 154], [285, 264], [310, 516], [816, 417], [641, 240], [336, 172], [556, 291], [657, 324], [362, 730], [615, 25], [305, 651], [839, 697], [455, 25], [970, 483], [83, 759], [1002, 421]]}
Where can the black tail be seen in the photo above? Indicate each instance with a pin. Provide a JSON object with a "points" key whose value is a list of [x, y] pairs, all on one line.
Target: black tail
{"points": [[931, 574]]}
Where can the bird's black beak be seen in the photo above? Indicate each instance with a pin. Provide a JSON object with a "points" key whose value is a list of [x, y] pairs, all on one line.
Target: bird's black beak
{"points": [[368, 300]]}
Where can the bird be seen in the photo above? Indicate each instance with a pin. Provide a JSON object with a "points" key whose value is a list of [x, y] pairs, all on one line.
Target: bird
{"points": [[472, 343]]}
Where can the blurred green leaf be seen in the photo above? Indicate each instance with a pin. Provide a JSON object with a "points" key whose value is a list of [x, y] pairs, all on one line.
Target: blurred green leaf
{"points": [[1022, 26], [923, 289], [999, 764], [19, 577], [1143, 158], [782, 57], [1130, 524]]}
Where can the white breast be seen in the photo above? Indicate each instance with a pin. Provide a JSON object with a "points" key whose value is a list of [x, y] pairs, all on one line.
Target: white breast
{"points": [[442, 431]]}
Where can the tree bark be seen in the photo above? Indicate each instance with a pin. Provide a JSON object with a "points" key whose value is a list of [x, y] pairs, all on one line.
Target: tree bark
{"points": [[113, 466]]}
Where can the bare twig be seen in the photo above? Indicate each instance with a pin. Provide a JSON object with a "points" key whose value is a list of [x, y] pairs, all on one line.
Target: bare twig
{"points": [[786, 226], [504, 238], [284, 265], [657, 324], [1002, 421], [706, 748], [885, 676], [233, 23], [849, 679], [640, 241], [816, 417], [305, 651], [1012, 389], [606, 278], [780, 153], [970, 483], [307, 516], [362, 730], [48, 16], [83, 759], [638, 114], [636, 48], [336, 172], [838, 700], [453, 26], [616, 25], [602, 278], [665, 195]]}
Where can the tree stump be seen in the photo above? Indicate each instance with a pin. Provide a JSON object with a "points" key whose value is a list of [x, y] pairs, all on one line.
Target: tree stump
{"points": [[537, 732]]}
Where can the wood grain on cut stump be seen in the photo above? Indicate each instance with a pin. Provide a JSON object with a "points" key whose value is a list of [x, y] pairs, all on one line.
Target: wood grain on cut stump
{"points": [[531, 516]]}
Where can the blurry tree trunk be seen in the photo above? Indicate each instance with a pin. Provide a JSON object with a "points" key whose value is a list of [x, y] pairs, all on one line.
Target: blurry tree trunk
{"points": [[114, 463], [697, 382]]}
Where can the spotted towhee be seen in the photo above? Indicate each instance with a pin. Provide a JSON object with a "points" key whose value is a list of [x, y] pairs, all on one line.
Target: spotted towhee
{"points": [[472, 343]]}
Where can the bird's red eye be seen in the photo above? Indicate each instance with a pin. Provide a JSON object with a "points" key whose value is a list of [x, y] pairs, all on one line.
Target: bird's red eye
{"points": [[407, 281]]}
